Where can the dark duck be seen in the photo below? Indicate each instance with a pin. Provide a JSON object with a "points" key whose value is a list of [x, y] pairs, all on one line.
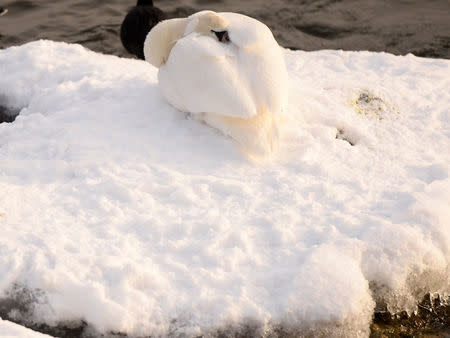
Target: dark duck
{"points": [[136, 25]]}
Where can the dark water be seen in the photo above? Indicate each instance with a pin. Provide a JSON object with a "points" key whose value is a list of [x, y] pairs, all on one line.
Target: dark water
{"points": [[421, 27]]}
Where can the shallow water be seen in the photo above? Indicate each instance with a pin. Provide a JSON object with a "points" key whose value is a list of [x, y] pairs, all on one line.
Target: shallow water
{"points": [[407, 26]]}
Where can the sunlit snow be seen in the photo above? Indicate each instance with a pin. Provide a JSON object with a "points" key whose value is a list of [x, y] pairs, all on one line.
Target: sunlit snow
{"points": [[118, 210]]}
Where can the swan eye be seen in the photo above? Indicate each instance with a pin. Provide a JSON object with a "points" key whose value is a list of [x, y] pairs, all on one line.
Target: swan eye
{"points": [[222, 36]]}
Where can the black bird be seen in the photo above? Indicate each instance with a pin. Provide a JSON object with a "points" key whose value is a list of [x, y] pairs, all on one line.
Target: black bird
{"points": [[136, 25]]}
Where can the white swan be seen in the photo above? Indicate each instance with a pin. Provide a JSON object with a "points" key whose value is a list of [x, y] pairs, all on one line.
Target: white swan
{"points": [[224, 68]]}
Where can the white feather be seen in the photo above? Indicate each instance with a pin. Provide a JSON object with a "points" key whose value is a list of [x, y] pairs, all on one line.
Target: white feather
{"points": [[231, 85]]}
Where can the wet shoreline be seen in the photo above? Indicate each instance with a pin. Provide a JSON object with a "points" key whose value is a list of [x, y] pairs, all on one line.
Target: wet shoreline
{"points": [[430, 319]]}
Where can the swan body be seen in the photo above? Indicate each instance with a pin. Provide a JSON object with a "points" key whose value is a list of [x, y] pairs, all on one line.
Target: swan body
{"points": [[227, 70]]}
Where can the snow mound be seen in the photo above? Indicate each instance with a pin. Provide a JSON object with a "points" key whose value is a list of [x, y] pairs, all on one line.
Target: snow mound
{"points": [[118, 210]]}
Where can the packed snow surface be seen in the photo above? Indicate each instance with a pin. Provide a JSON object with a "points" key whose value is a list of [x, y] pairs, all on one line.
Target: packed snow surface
{"points": [[8, 329], [119, 210]]}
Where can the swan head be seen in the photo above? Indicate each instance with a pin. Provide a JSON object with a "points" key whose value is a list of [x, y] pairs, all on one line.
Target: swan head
{"points": [[161, 39], [205, 22], [209, 23]]}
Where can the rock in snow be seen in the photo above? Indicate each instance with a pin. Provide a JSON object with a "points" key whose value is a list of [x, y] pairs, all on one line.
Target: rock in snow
{"points": [[118, 210]]}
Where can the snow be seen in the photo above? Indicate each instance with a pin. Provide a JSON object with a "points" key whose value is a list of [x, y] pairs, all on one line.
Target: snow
{"points": [[119, 210], [9, 330]]}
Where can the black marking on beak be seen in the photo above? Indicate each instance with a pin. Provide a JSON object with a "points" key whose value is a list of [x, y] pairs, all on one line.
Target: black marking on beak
{"points": [[222, 36]]}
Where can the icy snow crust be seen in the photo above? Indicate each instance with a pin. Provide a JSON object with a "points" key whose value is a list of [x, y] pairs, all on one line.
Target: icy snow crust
{"points": [[130, 215]]}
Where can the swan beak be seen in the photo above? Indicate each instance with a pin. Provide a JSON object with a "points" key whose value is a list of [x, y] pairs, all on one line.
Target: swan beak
{"points": [[222, 36]]}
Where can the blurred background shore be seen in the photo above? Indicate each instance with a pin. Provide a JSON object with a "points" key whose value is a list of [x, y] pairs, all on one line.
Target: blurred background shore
{"points": [[421, 27]]}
